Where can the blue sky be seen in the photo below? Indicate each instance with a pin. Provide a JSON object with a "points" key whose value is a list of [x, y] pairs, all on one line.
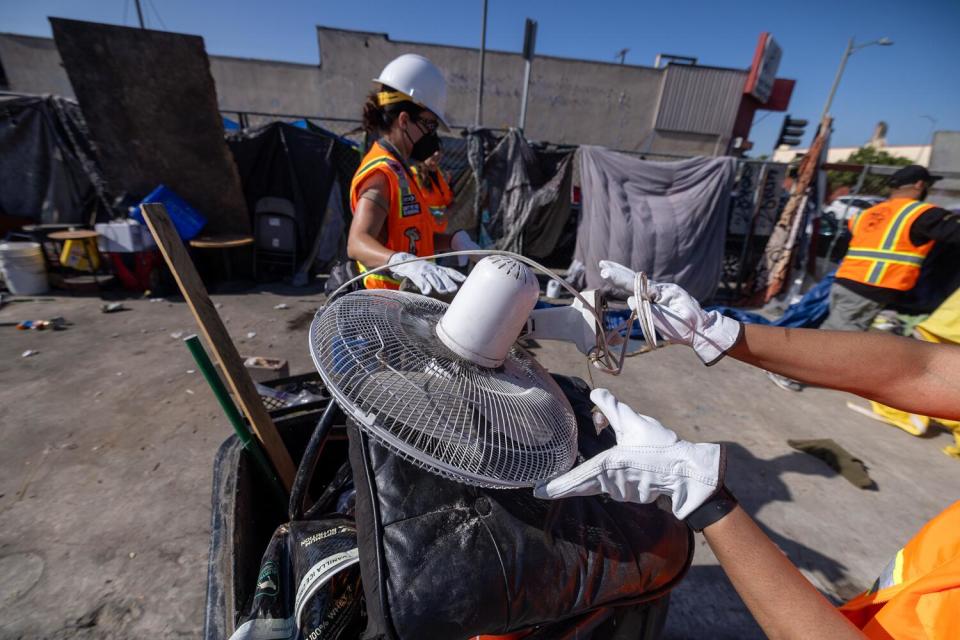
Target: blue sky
{"points": [[918, 76]]}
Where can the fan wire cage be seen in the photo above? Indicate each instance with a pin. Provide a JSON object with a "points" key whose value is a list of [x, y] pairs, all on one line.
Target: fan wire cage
{"points": [[380, 357]]}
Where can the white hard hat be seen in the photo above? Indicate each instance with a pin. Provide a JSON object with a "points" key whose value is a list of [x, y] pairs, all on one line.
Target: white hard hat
{"points": [[420, 79]]}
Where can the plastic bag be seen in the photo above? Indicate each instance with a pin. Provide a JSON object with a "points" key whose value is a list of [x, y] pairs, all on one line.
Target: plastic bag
{"points": [[308, 586]]}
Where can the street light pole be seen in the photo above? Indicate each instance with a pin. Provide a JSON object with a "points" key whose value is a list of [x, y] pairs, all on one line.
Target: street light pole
{"points": [[933, 132], [836, 79], [483, 52], [851, 48]]}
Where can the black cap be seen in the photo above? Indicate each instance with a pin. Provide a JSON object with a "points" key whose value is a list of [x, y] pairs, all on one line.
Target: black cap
{"points": [[910, 174]]}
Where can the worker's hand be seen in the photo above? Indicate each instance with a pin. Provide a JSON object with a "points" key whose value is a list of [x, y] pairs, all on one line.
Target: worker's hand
{"points": [[461, 241], [433, 162], [427, 276], [649, 461], [618, 276], [678, 316]]}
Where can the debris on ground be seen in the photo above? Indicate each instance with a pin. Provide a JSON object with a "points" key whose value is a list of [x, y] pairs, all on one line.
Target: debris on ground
{"points": [[28, 353], [176, 335], [837, 458], [300, 321], [251, 335], [56, 324], [282, 305], [112, 307]]}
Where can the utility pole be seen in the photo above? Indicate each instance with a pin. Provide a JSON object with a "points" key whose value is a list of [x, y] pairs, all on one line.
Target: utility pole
{"points": [[139, 13], [529, 44], [933, 133], [850, 50], [483, 53]]}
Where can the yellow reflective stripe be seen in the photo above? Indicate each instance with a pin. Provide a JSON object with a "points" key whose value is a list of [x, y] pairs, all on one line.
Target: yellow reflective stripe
{"points": [[373, 164], [856, 221], [378, 276], [893, 231], [876, 272], [898, 568], [370, 165], [901, 257], [891, 576]]}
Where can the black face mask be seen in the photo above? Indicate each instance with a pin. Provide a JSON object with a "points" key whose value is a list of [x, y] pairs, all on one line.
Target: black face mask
{"points": [[426, 146]]}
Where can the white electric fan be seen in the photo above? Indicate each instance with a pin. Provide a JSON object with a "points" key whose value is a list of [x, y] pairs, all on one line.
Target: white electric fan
{"points": [[445, 386]]}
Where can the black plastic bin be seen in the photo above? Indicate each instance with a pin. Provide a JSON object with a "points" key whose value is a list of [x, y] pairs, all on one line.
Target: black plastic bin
{"points": [[244, 513]]}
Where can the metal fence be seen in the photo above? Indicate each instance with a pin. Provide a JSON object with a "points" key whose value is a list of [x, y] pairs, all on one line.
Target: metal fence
{"points": [[756, 202]]}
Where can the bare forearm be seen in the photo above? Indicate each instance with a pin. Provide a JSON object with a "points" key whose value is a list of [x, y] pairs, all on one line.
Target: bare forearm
{"points": [[904, 373], [783, 602]]}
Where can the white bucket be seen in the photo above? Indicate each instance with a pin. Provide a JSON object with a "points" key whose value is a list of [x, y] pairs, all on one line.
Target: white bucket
{"points": [[23, 269]]}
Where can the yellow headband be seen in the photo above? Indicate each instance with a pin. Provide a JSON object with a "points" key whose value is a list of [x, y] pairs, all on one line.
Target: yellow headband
{"points": [[392, 97]]}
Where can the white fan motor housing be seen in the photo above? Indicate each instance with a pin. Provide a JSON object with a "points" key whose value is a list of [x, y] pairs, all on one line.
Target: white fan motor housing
{"points": [[490, 310]]}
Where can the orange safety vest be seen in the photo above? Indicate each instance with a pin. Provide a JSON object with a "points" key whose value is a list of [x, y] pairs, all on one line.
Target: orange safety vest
{"points": [[918, 593], [881, 253], [437, 194], [410, 225]]}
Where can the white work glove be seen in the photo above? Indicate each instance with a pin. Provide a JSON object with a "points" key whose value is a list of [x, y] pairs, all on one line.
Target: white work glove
{"points": [[461, 241], [678, 316], [649, 461], [427, 276]]}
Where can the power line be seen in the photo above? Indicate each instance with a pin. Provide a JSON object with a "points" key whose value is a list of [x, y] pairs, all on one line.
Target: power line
{"points": [[157, 13], [761, 118], [140, 14]]}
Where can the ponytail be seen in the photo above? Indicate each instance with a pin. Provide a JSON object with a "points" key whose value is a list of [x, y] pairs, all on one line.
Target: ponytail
{"points": [[377, 119]]}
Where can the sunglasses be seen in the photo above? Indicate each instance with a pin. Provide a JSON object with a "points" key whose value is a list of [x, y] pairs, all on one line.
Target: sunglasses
{"points": [[429, 125]]}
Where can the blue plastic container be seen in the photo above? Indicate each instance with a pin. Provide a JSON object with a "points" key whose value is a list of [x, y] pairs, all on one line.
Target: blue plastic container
{"points": [[185, 218]]}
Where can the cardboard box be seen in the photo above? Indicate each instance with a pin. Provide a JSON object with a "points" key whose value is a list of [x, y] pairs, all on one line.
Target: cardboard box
{"points": [[123, 236]]}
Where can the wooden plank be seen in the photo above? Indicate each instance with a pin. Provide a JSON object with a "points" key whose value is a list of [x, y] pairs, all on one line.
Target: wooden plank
{"points": [[171, 246]]}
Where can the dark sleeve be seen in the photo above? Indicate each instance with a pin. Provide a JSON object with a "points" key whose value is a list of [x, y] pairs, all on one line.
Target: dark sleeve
{"points": [[936, 224]]}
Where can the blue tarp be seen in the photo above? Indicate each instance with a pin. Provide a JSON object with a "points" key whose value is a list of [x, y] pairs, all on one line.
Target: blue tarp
{"points": [[809, 312], [230, 125], [303, 123]]}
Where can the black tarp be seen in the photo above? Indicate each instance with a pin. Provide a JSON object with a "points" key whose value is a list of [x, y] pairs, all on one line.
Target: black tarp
{"points": [[47, 166], [301, 165]]}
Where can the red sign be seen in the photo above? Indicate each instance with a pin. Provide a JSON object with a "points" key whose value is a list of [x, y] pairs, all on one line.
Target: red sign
{"points": [[763, 71]]}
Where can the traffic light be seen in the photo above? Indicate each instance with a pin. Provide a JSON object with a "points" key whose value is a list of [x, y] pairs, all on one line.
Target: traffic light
{"points": [[791, 132]]}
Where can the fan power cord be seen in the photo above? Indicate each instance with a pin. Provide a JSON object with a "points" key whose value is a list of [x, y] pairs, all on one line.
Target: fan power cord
{"points": [[602, 356]]}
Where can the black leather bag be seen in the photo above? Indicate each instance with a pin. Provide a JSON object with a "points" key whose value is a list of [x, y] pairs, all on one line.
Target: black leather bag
{"points": [[443, 560]]}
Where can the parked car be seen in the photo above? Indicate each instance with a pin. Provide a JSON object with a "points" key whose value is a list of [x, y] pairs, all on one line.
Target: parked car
{"points": [[846, 207]]}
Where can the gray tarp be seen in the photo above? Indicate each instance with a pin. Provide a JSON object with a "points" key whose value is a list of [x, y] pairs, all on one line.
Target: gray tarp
{"points": [[666, 218], [528, 195]]}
